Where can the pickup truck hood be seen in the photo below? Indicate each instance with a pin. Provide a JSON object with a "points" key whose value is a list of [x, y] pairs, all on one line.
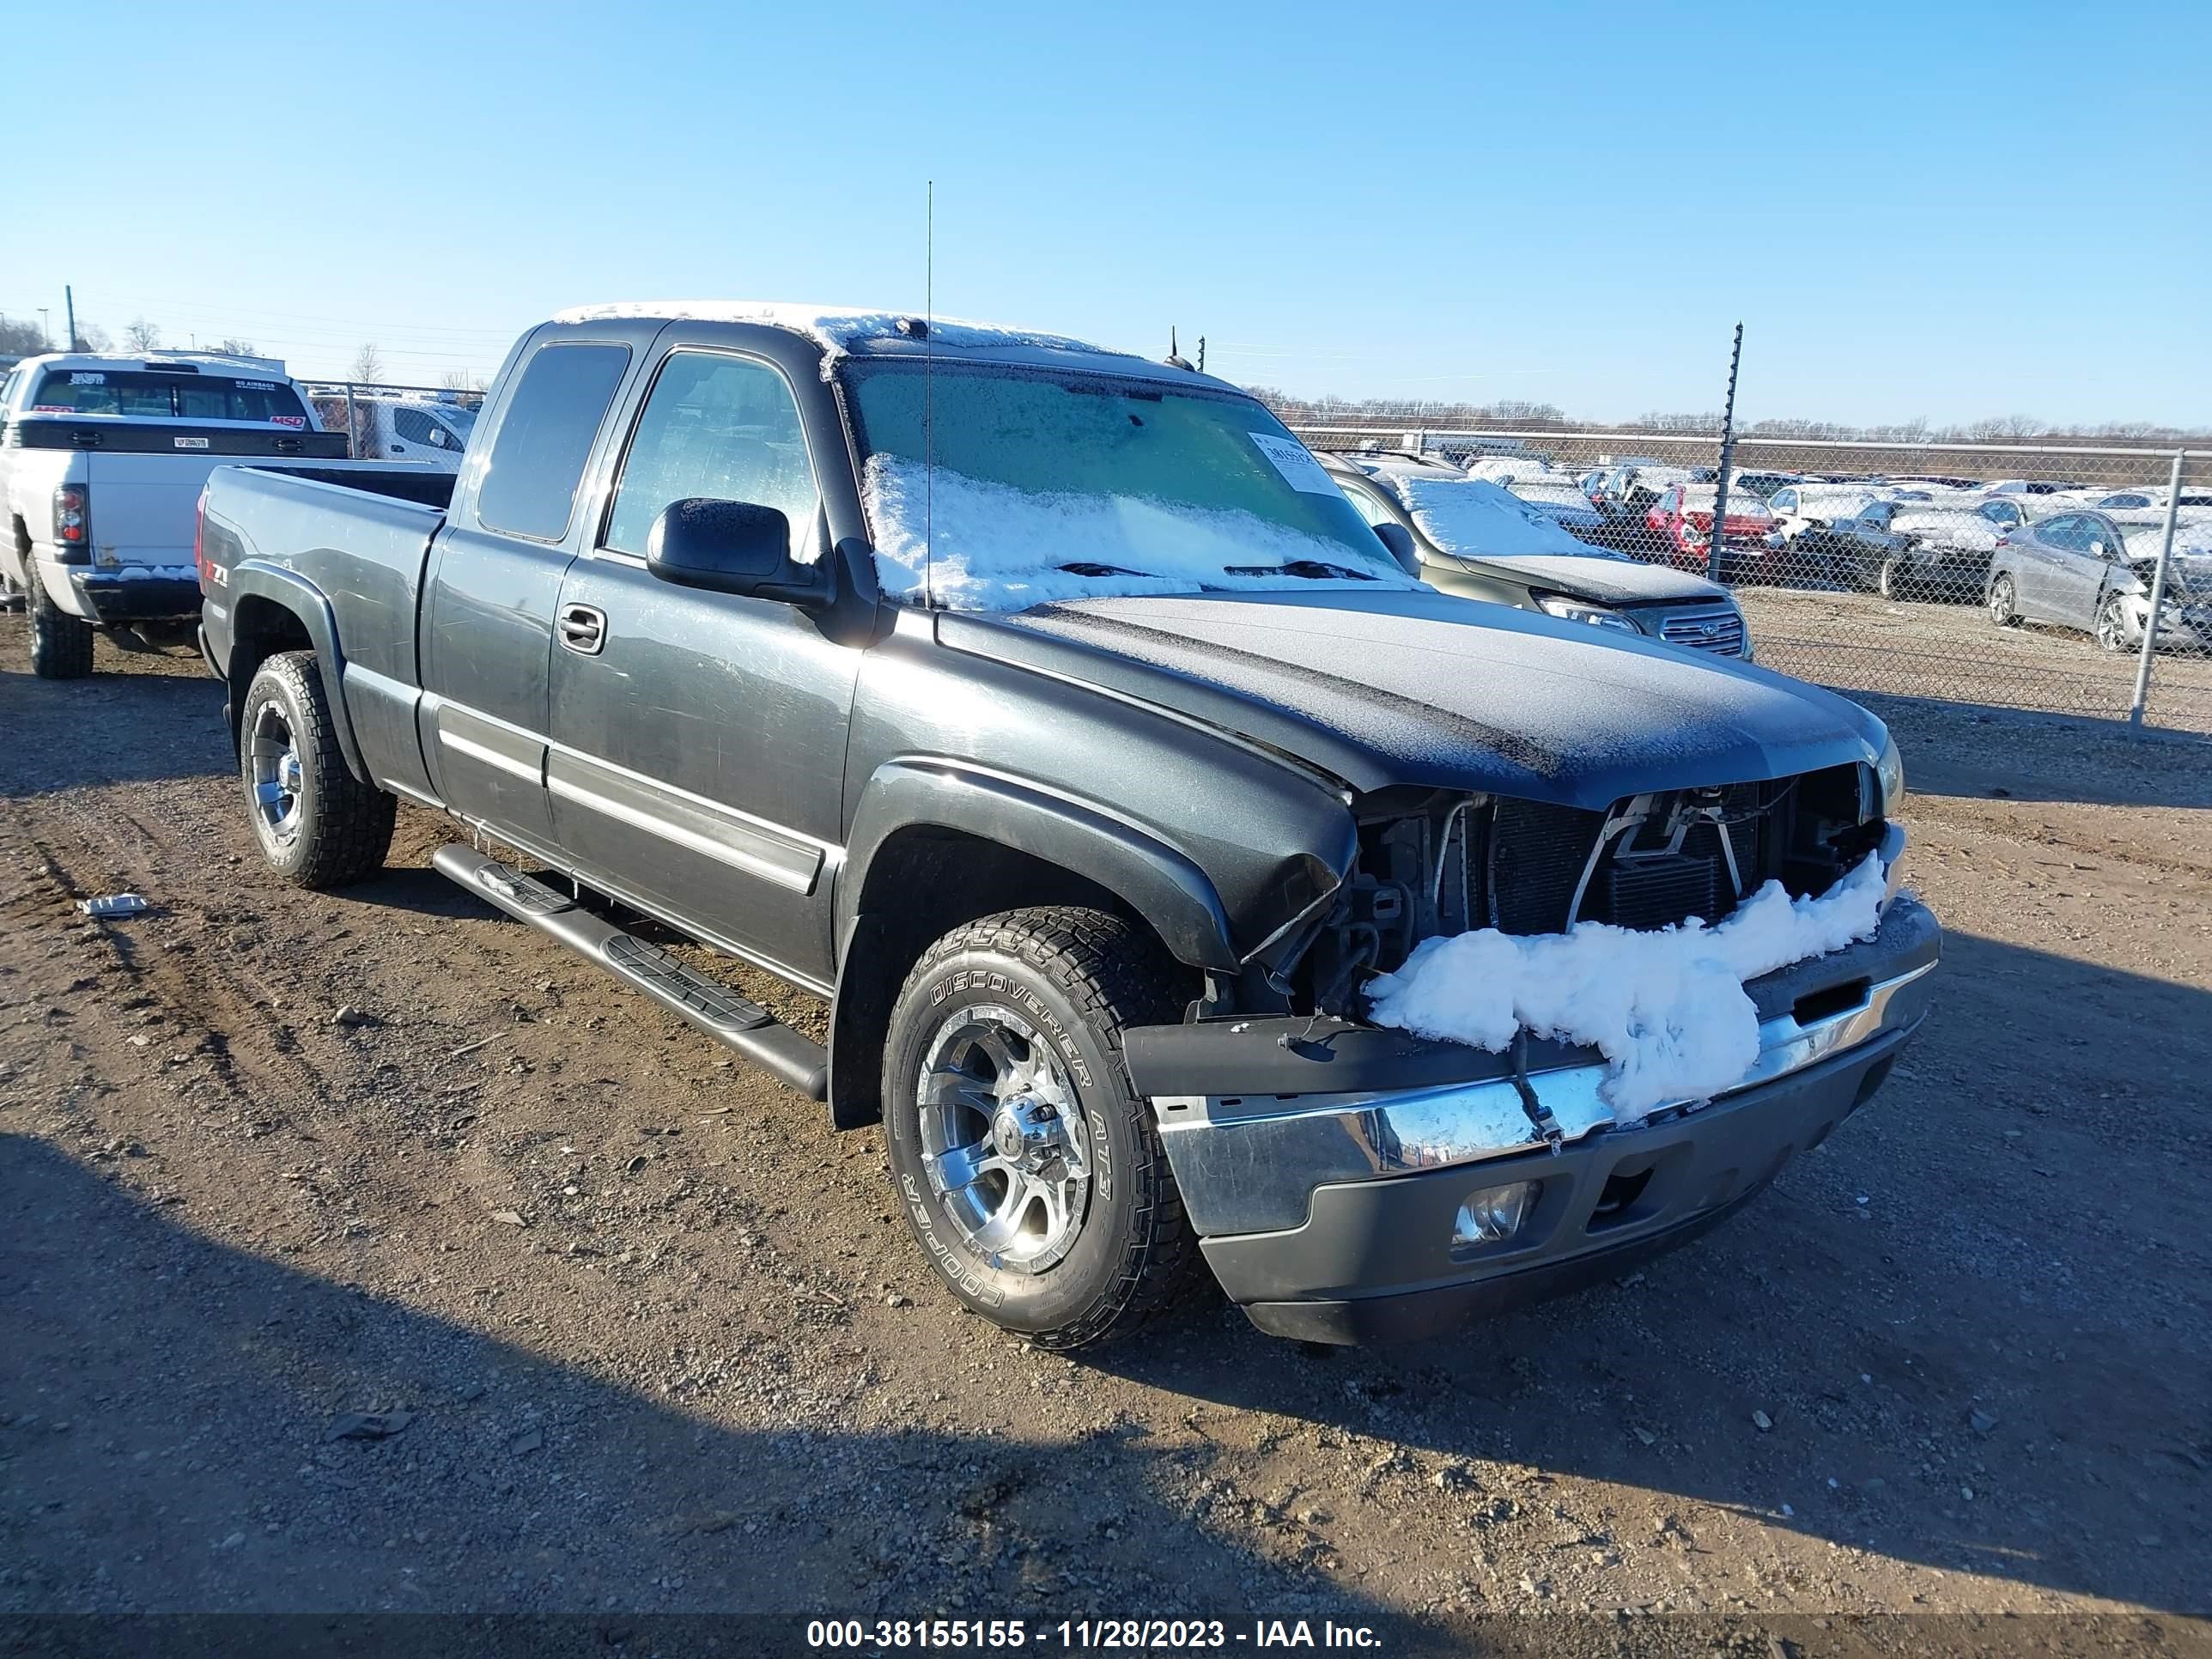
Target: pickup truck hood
{"points": [[1420, 687], [1617, 581]]}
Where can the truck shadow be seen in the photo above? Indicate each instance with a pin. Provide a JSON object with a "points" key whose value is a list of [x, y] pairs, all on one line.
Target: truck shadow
{"points": [[1973, 1321], [188, 1427]]}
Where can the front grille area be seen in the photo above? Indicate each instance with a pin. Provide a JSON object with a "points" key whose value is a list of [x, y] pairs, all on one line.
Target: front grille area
{"points": [[1718, 631]]}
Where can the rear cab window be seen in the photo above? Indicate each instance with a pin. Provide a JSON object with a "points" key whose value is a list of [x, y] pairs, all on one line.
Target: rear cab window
{"points": [[553, 417], [149, 394]]}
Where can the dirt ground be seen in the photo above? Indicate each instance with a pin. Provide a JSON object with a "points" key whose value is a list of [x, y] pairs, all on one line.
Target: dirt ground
{"points": [[1953, 652], [366, 1252]]}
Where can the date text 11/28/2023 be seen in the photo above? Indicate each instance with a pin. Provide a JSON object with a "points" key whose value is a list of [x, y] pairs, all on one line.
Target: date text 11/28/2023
{"points": [[1084, 1635]]}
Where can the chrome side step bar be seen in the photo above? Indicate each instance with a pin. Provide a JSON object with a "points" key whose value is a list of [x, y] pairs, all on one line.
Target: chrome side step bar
{"points": [[715, 1009]]}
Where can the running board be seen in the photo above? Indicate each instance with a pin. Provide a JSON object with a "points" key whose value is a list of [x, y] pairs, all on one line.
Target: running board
{"points": [[719, 1012]]}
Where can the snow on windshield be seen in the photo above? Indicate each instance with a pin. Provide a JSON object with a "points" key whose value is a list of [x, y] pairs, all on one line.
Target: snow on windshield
{"points": [[1056, 483], [1666, 1008], [1478, 518], [998, 547]]}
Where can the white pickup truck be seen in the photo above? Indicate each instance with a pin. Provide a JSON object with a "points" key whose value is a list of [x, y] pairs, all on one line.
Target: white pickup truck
{"points": [[102, 459]]}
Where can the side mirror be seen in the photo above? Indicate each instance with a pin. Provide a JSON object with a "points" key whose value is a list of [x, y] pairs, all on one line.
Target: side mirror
{"points": [[726, 547], [2098, 548], [1400, 540]]}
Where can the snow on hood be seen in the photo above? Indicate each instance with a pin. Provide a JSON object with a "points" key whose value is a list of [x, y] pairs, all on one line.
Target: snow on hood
{"points": [[1608, 576], [1379, 686], [1479, 519], [1000, 548], [1666, 1008], [838, 329]]}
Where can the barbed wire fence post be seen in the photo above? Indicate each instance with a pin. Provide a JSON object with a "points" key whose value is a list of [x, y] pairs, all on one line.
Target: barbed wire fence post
{"points": [[1719, 537], [2157, 593]]}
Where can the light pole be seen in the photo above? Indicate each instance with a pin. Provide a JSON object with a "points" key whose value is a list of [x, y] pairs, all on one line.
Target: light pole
{"points": [[45, 334]]}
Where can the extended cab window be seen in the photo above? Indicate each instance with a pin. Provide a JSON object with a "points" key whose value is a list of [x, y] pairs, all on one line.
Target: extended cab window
{"points": [[538, 459], [719, 427], [413, 426]]}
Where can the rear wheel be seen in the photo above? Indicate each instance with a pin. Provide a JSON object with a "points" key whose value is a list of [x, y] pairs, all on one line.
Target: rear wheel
{"points": [[1028, 1167], [318, 824], [61, 645], [1892, 582], [2004, 609]]}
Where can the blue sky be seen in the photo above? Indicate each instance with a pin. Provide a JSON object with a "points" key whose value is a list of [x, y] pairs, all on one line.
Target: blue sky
{"points": [[1939, 211]]}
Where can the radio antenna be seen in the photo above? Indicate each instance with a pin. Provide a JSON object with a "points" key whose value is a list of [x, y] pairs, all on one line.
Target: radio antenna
{"points": [[929, 395]]}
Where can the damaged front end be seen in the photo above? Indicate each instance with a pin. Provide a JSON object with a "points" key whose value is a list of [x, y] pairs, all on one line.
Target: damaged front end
{"points": [[1295, 1104]]}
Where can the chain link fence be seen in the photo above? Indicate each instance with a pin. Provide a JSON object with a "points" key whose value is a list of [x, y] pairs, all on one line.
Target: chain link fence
{"points": [[2071, 578]]}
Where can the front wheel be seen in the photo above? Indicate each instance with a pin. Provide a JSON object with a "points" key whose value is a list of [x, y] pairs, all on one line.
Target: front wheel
{"points": [[61, 645], [2004, 608], [318, 824], [1028, 1167], [2112, 624]]}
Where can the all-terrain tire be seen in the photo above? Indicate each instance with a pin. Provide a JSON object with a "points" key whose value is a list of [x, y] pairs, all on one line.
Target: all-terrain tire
{"points": [[1078, 977], [334, 827], [61, 645]]}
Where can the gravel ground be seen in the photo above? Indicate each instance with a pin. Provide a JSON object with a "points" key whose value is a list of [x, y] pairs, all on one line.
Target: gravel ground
{"points": [[1863, 642], [366, 1252]]}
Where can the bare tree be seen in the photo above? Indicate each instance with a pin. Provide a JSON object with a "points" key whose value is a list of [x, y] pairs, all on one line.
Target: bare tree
{"points": [[18, 338], [90, 337], [142, 336], [459, 380], [231, 346], [369, 365]]}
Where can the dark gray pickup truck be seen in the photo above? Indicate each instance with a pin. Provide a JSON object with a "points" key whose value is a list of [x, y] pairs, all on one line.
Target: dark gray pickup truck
{"points": [[1052, 714]]}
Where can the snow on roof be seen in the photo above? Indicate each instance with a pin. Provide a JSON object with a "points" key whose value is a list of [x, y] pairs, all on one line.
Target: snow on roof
{"points": [[1666, 1008], [841, 330], [219, 362]]}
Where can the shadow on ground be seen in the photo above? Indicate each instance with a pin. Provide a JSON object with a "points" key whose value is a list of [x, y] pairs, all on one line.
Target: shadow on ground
{"points": [[1976, 1319]]}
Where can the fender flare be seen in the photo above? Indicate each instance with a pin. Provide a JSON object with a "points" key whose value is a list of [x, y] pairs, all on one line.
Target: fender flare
{"points": [[1164, 886], [292, 592]]}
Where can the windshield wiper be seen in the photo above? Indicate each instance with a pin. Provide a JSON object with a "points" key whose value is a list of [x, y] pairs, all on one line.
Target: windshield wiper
{"points": [[1092, 567], [1317, 570]]}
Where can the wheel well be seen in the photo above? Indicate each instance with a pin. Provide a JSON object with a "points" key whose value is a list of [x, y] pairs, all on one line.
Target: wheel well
{"points": [[922, 882], [260, 627]]}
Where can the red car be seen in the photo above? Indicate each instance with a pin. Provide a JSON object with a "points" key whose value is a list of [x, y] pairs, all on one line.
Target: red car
{"points": [[1681, 525]]}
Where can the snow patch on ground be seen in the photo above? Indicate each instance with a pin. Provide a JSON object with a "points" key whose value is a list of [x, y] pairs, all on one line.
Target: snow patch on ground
{"points": [[1666, 1008], [999, 548], [838, 329]]}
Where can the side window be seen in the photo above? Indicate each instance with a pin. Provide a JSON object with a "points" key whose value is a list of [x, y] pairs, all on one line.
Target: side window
{"points": [[2064, 531], [414, 427], [1369, 505], [1785, 501], [720, 427], [552, 415]]}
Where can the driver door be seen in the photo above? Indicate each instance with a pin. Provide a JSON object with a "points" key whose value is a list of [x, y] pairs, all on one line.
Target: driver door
{"points": [[697, 763]]}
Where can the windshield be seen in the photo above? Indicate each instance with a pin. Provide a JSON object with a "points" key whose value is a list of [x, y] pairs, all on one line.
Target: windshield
{"points": [[1052, 485], [186, 397]]}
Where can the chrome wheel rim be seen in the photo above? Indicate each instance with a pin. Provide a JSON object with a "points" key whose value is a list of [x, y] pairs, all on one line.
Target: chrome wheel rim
{"points": [[2112, 627], [274, 758], [2001, 602], [1004, 1139]]}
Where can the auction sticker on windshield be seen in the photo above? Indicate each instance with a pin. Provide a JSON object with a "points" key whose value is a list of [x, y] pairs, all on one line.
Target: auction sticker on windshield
{"points": [[1296, 463]]}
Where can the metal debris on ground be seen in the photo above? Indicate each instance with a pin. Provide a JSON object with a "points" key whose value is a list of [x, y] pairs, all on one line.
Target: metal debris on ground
{"points": [[116, 905]]}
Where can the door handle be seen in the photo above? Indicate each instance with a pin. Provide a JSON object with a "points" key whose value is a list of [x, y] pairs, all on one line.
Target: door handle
{"points": [[582, 628]]}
